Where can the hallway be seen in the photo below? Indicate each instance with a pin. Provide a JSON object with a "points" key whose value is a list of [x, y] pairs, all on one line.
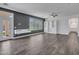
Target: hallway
{"points": [[41, 44]]}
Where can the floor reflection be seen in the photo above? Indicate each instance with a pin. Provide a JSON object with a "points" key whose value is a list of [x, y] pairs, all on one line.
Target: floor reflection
{"points": [[41, 44], [5, 48], [35, 44]]}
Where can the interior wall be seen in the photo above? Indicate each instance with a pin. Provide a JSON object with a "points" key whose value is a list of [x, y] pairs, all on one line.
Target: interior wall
{"points": [[61, 25], [50, 25]]}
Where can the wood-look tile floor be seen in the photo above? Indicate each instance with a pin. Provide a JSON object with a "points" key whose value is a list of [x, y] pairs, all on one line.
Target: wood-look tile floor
{"points": [[42, 44]]}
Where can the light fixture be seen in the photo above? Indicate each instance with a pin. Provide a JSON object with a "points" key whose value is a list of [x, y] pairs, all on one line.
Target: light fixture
{"points": [[54, 14]]}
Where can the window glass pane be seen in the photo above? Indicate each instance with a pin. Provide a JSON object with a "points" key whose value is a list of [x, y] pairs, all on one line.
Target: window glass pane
{"points": [[36, 24]]}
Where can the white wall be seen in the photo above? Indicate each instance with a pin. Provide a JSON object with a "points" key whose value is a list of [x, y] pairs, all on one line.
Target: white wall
{"points": [[61, 25], [50, 26]]}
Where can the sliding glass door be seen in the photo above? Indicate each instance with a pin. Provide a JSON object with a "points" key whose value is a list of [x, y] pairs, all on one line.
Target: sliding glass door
{"points": [[36, 24], [24, 24], [6, 25], [13, 23]]}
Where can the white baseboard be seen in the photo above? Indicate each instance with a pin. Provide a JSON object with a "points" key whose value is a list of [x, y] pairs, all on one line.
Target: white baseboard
{"points": [[26, 35], [20, 36]]}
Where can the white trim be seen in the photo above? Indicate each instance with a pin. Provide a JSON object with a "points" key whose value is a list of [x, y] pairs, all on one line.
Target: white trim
{"points": [[20, 36], [26, 35]]}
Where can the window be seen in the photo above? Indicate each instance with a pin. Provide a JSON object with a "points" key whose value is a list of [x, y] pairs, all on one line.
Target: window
{"points": [[36, 24]]}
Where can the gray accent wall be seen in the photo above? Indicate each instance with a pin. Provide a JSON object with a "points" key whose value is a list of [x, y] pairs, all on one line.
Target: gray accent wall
{"points": [[21, 21]]}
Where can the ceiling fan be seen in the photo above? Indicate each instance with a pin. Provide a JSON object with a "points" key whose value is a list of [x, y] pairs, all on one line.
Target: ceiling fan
{"points": [[53, 14]]}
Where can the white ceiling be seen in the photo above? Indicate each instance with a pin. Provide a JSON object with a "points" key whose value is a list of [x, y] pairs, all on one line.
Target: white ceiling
{"points": [[45, 9]]}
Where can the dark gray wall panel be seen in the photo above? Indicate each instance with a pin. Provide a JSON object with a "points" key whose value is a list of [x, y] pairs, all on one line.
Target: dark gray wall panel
{"points": [[21, 21]]}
